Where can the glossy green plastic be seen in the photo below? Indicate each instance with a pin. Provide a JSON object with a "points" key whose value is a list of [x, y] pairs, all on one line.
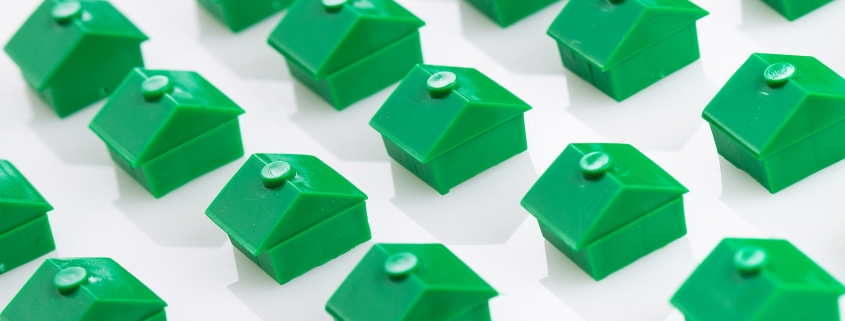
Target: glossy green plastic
{"points": [[794, 9], [780, 133], [166, 128], [606, 205], [75, 57], [241, 14], [622, 47], [758, 280], [507, 12], [348, 50], [405, 282], [446, 136], [24, 229], [84, 289], [290, 213]]}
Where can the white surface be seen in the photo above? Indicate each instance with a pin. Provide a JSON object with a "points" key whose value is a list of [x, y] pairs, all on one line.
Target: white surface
{"points": [[173, 248]]}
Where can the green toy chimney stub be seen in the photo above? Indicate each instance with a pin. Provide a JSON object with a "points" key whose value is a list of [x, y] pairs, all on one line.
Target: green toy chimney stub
{"points": [[411, 282], [622, 47], [241, 14], [75, 52], [84, 289], [448, 124], [347, 50], [507, 12], [758, 279], [290, 213], [780, 118], [606, 205], [166, 128], [24, 228], [794, 9]]}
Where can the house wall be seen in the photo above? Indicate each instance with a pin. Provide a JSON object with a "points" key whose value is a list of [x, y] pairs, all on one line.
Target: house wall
{"points": [[640, 70], [365, 76]]}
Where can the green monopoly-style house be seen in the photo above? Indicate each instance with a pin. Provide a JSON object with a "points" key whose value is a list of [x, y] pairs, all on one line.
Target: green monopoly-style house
{"points": [[606, 205], [25, 232], [241, 14], [84, 289], [780, 118], [794, 9], [758, 279], [166, 128], [411, 282], [347, 50], [290, 213], [508, 12], [624, 46], [448, 124], [75, 52]]}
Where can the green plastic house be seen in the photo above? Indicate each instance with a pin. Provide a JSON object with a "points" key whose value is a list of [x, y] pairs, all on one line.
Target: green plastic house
{"points": [[780, 118], [166, 128], [448, 124], [348, 50], [75, 52], [794, 9], [506, 12], [84, 289], [24, 229], [606, 205], [756, 280], [624, 46], [290, 213], [241, 14], [411, 282]]}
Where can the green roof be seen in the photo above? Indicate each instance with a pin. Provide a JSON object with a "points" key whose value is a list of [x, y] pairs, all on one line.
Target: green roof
{"points": [[139, 130], [581, 210], [427, 127], [20, 202], [787, 286], [605, 33], [441, 287], [323, 42], [43, 40], [110, 293], [258, 218], [766, 120]]}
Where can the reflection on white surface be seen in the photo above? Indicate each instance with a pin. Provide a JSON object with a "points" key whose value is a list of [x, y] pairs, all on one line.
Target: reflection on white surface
{"points": [[347, 133], [483, 210], [246, 53], [661, 117], [303, 298], [523, 47], [639, 292], [68, 137]]}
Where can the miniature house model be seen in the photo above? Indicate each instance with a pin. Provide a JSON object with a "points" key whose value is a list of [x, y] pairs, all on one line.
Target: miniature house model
{"points": [[794, 9], [290, 213], [166, 128], [75, 52], [348, 50], [507, 12], [624, 46], [241, 14], [759, 279], [24, 229], [411, 282], [780, 118], [448, 124], [84, 289], [606, 205]]}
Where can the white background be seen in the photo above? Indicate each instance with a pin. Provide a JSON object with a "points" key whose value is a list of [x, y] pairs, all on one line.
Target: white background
{"points": [[172, 247]]}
